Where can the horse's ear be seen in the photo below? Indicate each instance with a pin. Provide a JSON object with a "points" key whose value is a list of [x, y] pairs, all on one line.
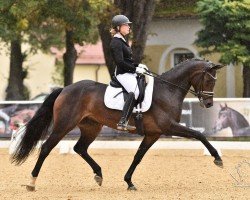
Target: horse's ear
{"points": [[217, 66], [225, 105]]}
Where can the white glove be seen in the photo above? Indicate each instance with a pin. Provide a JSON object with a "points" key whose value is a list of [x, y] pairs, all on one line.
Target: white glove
{"points": [[140, 70], [143, 66]]}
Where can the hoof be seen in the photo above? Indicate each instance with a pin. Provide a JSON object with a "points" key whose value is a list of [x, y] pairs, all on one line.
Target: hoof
{"points": [[218, 163], [132, 188], [98, 179], [30, 188]]}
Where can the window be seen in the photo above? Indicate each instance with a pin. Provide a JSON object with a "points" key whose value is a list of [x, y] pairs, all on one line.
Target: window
{"points": [[180, 55]]}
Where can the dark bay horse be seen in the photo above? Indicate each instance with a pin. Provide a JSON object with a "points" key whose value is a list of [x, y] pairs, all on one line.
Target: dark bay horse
{"points": [[81, 104], [229, 117]]}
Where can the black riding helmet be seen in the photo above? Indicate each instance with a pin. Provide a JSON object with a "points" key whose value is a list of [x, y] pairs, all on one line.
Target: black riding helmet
{"points": [[118, 20]]}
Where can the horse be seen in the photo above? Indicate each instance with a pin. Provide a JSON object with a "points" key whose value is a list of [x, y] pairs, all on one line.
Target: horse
{"points": [[229, 117], [82, 104]]}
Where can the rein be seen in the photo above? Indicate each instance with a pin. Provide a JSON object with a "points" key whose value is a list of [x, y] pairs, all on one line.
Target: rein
{"points": [[198, 94], [149, 73]]}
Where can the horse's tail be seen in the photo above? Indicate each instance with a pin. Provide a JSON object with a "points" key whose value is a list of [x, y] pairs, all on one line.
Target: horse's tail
{"points": [[36, 129]]}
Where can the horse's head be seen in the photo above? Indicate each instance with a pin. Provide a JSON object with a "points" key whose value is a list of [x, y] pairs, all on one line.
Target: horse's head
{"points": [[224, 119], [229, 117], [203, 82]]}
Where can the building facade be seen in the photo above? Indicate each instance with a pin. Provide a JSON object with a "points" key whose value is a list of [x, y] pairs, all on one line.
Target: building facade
{"points": [[170, 41]]}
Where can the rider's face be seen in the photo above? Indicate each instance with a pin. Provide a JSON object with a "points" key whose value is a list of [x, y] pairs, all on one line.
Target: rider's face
{"points": [[125, 29]]}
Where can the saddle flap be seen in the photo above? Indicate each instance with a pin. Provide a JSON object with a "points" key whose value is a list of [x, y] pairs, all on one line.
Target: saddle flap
{"points": [[114, 98]]}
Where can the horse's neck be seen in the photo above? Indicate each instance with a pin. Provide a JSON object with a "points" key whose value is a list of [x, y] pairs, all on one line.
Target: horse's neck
{"points": [[237, 121], [179, 76], [242, 132]]}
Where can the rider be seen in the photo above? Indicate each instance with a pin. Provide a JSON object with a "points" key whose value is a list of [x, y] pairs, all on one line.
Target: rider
{"points": [[126, 69]]}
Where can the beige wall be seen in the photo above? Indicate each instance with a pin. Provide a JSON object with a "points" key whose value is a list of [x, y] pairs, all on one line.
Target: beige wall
{"points": [[220, 89], [97, 73], [4, 72], [238, 81], [166, 35], [40, 68], [153, 55]]}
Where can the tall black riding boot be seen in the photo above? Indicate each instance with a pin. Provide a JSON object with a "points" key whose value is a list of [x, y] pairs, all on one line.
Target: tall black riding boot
{"points": [[126, 112]]}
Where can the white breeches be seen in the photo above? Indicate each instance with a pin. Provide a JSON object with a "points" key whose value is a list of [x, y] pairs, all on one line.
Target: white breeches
{"points": [[129, 82]]}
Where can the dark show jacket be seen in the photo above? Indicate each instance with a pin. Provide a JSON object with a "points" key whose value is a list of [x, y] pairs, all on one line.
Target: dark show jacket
{"points": [[122, 55]]}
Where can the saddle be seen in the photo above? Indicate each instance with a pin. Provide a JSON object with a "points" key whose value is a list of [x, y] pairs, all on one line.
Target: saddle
{"points": [[115, 96], [141, 81], [138, 118]]}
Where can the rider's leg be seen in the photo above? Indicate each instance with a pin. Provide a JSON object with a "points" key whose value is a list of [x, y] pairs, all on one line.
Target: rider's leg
{"points": [[126, 112], [129, 82]]}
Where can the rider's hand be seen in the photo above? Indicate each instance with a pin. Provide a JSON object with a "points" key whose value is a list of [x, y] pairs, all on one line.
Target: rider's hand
{"points": [[140, 70], [143, 66]]}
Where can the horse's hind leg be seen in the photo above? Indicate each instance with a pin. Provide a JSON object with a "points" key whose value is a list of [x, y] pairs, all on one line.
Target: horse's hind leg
{"points": [[89, 131], [182, 131], [51, 142]]}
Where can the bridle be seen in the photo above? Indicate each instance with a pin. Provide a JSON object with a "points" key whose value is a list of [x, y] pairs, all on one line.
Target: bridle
{"points": [[201, 94]]}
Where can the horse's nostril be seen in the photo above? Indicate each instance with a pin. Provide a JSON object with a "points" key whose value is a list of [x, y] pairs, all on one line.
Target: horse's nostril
{"points": [[209, 105]]}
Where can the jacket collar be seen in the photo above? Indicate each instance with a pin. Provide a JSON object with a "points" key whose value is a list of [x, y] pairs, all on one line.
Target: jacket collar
{"points": [[119, 35]]}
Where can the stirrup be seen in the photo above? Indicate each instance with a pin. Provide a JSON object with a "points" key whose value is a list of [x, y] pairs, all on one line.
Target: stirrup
{"points": [[125, 127]]}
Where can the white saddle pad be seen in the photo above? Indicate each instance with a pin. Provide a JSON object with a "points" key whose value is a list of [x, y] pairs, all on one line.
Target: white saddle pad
{"points": [[114, 101]]}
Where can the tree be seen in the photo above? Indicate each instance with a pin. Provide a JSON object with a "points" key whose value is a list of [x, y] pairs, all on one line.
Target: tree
{"points": [[77, 20], [140, 12], [43, 24], [141, 15], [15, 19], [105, 17], [226, 29]]}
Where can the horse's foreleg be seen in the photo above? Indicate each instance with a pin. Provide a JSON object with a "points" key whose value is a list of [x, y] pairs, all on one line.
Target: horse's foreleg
{"points": [[182, 131], [88, 135], [147, 142]]}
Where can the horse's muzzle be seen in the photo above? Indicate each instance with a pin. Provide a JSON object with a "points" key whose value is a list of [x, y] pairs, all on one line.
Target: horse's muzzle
{"points": [[208, 103]]}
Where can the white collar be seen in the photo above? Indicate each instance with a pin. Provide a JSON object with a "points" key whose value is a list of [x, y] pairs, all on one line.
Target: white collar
{"points": [[119, 35]]}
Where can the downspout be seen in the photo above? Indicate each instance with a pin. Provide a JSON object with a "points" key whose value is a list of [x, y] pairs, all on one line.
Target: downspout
{"points": [[230, 80], [96, 72]]}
